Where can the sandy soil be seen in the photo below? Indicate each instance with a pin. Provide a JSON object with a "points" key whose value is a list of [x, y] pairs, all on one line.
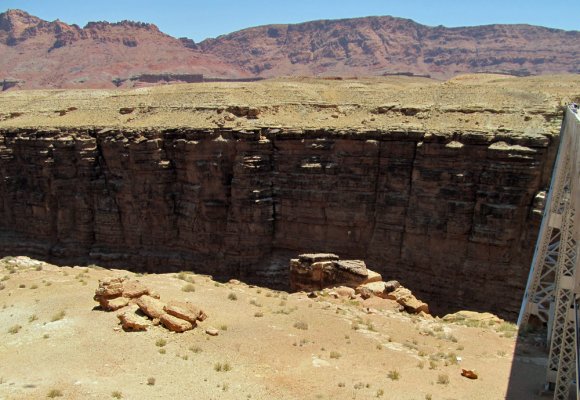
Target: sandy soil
{"points": [[479, 103], [350, 349]]}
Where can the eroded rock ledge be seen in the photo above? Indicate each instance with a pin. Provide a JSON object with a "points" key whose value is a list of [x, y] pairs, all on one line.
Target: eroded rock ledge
{"points": [[449, 215]]}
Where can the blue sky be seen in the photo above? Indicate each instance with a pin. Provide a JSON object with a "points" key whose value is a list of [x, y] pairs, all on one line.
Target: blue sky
{"points": [[201, 19]]}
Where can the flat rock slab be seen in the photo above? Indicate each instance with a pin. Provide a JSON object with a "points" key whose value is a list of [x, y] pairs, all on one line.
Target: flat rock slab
{"points": [[175, 324], [185, 310], [151, 306], [355, 267]]}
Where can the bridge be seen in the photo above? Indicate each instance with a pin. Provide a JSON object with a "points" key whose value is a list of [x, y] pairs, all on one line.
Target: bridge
{"points": [[552, 294]]}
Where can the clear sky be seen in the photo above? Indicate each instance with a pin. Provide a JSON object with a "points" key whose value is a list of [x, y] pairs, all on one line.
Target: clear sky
{"points": [[202, 19]]}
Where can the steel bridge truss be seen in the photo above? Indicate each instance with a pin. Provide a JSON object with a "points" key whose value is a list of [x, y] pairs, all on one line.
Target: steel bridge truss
{"points": [[553, 290]]}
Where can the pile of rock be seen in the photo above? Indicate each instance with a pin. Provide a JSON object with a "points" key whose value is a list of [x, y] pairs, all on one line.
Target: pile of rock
{"points": [[322, 270], [132, 297], [393, 290], [311, 272]]}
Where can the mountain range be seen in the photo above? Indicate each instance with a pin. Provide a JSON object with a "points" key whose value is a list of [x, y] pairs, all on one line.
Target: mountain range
{"points": [[35, 53]]}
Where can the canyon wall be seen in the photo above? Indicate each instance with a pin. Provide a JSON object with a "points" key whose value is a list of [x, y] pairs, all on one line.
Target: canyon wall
{"points": [[451, 216]]}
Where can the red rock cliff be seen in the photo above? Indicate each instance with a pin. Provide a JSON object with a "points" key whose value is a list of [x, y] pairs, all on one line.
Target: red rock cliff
{"points": [[448, 212]]}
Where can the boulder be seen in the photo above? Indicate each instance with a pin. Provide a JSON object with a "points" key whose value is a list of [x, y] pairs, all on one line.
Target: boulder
{"points": [[372, 289], [175, 324], [152, 307], [109, 288], [133, 289], [391, 286], [345, 291], [317, 271], [412, 305], [473, 317], [114, 304], [185, 310], [133, 322], [364, 292]]}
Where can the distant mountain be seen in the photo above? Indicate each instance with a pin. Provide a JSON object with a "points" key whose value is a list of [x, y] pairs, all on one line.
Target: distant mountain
{"points": [[379, 45], [39, 54]]}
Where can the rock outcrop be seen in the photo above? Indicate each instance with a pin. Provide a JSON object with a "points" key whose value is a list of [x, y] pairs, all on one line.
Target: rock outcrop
{"points": [[439, 196], [320, 270], [117, 293]]}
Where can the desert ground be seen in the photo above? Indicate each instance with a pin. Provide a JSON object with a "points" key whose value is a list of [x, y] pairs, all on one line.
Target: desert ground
{"points": [[56, 343]]}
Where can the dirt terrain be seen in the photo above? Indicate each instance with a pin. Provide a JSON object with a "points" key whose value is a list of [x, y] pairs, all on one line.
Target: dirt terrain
{"points": [[55, 343], [482, 102]]}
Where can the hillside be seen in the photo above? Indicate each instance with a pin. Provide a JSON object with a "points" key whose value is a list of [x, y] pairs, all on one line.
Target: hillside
{"points": [[39, 54]]}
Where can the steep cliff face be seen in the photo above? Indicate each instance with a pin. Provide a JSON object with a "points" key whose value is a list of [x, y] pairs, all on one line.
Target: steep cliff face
{"points": [[448, 208], [452, 219]]}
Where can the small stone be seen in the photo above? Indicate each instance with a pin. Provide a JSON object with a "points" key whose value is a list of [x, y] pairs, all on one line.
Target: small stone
{"points": [[212, 331], [469, 374], [312, 295]]}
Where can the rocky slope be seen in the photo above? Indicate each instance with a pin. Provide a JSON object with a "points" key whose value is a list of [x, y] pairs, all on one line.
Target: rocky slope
{"points": [[434, 184], [40, 54], [383, 45]]}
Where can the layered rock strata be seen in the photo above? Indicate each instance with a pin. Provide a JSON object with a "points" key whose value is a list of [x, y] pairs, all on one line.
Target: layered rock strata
{"points": [[436, 184], [450, 217]]}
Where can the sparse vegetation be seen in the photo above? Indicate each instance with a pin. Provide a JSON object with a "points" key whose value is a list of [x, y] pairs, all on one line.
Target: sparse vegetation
{"points": [[58, 316], [258, 314], [232, 296], [219, 367], [14, 329], [443, 379], [394, 375], [151, 381], [301, 325], [380, 393], [54, 393], [189, 288], [254, 302], [162, 351], [195, 349], [160, 342], [117, 395], [32, 318], [223, 327]]}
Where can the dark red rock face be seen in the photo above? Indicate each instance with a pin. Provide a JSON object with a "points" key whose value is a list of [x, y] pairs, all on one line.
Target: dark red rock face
{"points": [[451, 220]]}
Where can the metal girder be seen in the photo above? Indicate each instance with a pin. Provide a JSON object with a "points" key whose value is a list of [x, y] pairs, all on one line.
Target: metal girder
{"points": [[553, 289]]}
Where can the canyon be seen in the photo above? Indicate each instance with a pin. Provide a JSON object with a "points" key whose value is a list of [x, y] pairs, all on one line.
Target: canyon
{"points": [[436, 184], [38, 54]]}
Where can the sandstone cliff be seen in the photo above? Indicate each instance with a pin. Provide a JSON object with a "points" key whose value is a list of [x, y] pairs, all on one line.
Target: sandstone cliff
{"points": [[432, 184]]}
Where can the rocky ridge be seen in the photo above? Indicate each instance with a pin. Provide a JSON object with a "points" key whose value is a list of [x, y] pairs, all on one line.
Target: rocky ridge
{"points": [[42, 54]]}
